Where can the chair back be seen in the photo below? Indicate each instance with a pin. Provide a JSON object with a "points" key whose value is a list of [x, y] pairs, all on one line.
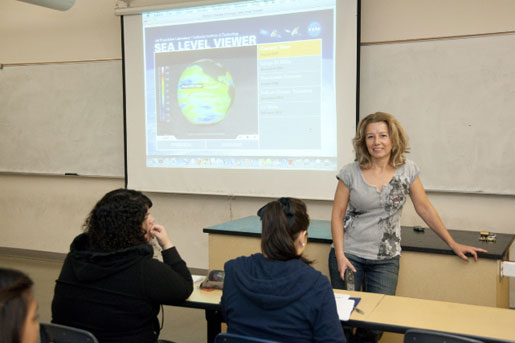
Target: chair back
{"points": [[55, 333], [426, 336], [234, 338]]}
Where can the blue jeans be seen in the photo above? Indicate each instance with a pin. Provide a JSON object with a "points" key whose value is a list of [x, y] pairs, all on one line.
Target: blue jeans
{"points": [[375, 276]]}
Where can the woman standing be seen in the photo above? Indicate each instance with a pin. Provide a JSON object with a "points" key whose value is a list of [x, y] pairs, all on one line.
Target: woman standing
{"points": [[368, 202]]}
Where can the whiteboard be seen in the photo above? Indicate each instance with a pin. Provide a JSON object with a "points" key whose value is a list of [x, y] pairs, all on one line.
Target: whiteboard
{"points": [[456, 100], [62, 118]]}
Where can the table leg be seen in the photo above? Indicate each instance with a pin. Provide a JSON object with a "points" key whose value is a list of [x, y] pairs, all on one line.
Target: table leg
{"points": [[214, 324]]}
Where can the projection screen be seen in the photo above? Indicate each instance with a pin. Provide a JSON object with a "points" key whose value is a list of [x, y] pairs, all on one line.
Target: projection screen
{"points": [[247, 98]]}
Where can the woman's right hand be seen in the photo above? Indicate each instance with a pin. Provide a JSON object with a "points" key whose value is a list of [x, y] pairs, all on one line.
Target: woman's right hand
{"points": [[159, 232], [343, 264], [341, 201]]}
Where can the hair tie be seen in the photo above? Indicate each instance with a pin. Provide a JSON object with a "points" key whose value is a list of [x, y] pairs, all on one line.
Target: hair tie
{"points": [[288, 210], [261, 212], [286, 207]]}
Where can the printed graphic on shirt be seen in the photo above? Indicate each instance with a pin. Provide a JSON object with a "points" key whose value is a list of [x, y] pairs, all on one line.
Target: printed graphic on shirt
{"points": [[396, 198], [348, 220], [393, 200], [391, 241]]}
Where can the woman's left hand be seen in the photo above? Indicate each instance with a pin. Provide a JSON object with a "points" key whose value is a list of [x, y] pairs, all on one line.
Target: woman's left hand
{"points": [[461, 250]]}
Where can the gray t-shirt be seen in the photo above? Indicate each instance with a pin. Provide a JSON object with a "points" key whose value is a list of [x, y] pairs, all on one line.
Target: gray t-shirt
{"points": [[372, 226]]}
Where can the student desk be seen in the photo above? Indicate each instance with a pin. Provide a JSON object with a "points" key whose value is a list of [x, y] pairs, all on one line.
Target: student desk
{"points": [[208, 300], [395, 314], [488, 324], [428, 267]]}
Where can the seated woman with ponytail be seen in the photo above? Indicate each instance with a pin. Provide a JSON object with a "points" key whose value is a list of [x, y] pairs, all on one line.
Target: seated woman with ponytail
{"points": [[276, 295]]}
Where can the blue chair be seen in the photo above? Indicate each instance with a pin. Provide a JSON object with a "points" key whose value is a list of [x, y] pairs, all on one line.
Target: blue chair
{"points": [[426, 336], [234, 338], [55, 333]]}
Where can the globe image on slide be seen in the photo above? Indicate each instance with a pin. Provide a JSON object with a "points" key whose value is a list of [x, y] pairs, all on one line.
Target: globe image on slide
{"points": [[205, 92]]}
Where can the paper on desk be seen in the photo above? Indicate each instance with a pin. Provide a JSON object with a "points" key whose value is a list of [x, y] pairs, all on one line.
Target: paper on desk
{"points": [[197, 278], [344, 305]]}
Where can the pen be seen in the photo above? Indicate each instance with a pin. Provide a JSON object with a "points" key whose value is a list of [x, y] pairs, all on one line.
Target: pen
{"points": [[360, 311]]}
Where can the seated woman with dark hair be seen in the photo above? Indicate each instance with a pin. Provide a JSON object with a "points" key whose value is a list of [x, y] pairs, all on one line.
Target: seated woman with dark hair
{"points": [[276, 295], [18, 308], [110, 284]]}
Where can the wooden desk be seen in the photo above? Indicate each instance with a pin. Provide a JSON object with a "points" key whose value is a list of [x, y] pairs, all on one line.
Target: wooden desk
{"points": [[395, 314], [428, 268], [488, 324], [208, 300], [367, 304]]}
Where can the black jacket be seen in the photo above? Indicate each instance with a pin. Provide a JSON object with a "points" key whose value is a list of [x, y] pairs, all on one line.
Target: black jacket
{"points": [[117, 295]]}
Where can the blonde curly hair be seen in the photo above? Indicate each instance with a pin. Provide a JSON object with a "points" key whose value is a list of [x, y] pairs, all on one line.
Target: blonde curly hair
{"points": [[398, 137]]}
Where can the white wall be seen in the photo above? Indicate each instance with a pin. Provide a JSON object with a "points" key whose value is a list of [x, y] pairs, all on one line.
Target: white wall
{"points": [[46, 212]]}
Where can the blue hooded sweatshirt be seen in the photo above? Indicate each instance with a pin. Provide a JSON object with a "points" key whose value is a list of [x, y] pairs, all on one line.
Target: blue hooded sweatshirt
{"points": [[286, 301]]}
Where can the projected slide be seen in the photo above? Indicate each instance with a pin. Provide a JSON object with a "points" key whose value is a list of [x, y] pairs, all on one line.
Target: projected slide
{"points": [[245, 85]]}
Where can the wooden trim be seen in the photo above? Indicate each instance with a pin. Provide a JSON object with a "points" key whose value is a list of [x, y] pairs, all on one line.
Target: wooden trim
{"points": [[33, 254], [3, 65], [438, 38], [59, 257]]}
